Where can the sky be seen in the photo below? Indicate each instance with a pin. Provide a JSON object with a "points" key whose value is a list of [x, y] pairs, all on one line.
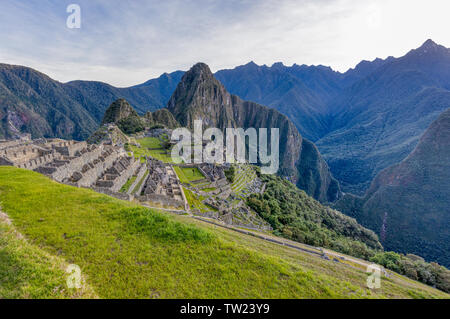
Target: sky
{"points": [[125, 43]]}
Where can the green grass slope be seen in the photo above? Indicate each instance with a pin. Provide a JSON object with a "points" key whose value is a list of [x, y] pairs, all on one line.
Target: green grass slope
{"points": [[26, 271], [126, 251]]}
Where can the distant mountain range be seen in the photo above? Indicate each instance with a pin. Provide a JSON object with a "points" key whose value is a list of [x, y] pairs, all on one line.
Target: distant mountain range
{"points": [[362, 120]]}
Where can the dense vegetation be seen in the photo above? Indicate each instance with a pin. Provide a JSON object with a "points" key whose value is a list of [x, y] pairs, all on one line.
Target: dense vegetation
{"points": [[295, 215], [126, 251], [415, 268], [131, 125], [230, 173]]}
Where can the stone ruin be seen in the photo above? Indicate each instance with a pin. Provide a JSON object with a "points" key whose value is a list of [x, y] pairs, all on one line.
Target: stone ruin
{"points": [[212, 172], [102, 167], [162, 185]]}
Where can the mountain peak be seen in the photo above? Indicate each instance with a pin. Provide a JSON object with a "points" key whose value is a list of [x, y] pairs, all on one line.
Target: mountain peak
{"points": [[199, 95], [429, 44], [200, 67]]}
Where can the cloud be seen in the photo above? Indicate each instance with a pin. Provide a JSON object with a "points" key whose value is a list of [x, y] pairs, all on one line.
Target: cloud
{"points": [[128, 42]]}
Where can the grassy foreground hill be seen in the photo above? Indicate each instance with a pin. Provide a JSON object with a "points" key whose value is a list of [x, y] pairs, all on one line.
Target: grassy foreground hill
{"points": [[127, 251]]}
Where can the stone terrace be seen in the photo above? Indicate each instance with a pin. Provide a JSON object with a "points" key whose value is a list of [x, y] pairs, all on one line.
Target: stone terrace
{"points": [[105, 168]]}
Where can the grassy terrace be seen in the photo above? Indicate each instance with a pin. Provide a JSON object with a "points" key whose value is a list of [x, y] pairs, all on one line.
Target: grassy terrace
{"points": [[150, 142], [128, 184], [195, 201], [126, 251], [244, 175], [147, 143], [188, 174]]}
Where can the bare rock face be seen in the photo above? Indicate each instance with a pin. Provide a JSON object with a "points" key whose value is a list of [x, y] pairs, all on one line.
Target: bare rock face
{"points": [[200, 96], [408, 204]]}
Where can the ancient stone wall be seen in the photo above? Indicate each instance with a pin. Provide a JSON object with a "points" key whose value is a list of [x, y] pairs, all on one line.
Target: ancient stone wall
{"points": [[70, 148], [76, 164], [140, 174], [12, 144], [119, 181], [108, 192], [90, 176], [5, 162], [139, 191], [161, 199]]}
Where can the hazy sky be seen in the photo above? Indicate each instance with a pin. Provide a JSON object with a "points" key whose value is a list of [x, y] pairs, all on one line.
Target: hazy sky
{"points": [[128, 42]]}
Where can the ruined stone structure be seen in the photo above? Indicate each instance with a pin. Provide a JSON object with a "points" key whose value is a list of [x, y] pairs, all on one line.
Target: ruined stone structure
{"points": [[105, 168], [117, 175], [212, 172], [75, 163], [25, 154], [162, 185]]}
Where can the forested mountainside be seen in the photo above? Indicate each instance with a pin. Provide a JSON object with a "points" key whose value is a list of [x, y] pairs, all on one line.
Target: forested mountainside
{"points": [[408, 204], [32, 102], [378, 121]]}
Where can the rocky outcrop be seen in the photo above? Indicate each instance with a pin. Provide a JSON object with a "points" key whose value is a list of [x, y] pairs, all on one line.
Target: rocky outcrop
{"points": [[201, 96], [161, 117], [118, 110]]}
